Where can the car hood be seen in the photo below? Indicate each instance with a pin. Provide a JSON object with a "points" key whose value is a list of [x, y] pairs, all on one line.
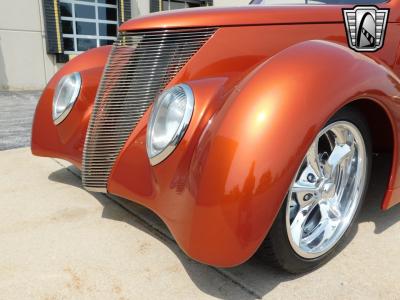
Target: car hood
{"points": [[237, 16]]}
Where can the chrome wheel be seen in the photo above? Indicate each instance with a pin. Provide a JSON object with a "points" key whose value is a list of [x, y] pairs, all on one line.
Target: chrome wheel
{"points": [[326, 190]]}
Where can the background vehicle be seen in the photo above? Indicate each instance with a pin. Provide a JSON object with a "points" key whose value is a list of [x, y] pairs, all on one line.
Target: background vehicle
{"points": [[262, 131]]}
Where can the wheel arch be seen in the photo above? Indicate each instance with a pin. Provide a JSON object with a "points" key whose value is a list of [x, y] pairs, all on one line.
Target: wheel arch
{"points": [[384, 145], [249, 152]]}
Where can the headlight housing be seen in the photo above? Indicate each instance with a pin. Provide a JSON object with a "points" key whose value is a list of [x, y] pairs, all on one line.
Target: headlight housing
{"points": [[169, 119], [65, 96]]}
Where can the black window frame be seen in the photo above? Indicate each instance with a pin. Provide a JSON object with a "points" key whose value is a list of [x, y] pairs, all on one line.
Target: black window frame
{"points": [[54, 25]]}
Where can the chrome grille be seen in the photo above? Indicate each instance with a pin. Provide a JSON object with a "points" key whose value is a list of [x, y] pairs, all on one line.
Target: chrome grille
{"points": [[141, 64]]}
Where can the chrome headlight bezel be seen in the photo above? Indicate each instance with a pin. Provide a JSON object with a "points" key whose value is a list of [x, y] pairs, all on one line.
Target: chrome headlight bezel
{"points": [[71, 81], [155, 156]]}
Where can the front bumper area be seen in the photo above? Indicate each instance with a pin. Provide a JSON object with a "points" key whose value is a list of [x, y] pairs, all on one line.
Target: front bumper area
{"points": [[208, 229], [209, 193]]}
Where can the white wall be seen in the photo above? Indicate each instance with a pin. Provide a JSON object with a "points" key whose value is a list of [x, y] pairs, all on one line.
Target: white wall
{"points": [[140, 7], [24, 63], [231, 2]]}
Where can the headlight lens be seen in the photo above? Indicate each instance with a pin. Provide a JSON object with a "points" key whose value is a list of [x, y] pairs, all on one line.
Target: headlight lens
{"points": [[65, 96], [169, 120]]}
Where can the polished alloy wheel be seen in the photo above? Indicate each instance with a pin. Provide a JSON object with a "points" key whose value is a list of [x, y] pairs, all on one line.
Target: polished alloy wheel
{"points": [[326, 190]]}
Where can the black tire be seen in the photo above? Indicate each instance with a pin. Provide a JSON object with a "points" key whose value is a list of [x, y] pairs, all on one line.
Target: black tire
{"points": [[277, 250]]}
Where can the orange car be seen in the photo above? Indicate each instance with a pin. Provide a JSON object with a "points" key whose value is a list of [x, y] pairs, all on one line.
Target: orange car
{"points": [[242, 128]]}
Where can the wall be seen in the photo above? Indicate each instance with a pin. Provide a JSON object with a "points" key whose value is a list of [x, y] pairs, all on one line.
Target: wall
{"points": [[3, 74], [24, 64], [231, 2], [140, 7]]}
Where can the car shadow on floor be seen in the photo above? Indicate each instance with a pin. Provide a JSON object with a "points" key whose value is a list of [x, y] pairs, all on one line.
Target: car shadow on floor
{"points": [[371, 211], [254, 277]]}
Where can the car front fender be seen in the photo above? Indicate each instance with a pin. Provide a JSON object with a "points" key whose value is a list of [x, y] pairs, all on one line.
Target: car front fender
{"points": [[251, 149], [66, 140]]}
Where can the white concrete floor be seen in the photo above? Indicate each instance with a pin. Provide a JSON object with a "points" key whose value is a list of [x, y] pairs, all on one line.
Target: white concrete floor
{"points": [[16, 114], [58, 241]]}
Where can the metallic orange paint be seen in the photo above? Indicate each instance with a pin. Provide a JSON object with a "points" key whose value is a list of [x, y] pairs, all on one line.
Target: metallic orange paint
{"points": [[264, 85], [67, 139]]}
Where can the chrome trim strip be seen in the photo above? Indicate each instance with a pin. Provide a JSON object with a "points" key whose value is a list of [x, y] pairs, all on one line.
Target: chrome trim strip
{"points": [[140, 65]]}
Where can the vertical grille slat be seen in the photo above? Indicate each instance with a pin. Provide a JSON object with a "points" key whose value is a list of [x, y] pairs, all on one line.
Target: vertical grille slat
{"points": [[140, 65]]}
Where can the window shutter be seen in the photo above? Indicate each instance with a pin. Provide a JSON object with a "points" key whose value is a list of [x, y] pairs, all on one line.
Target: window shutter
{"points": [[124, 11], [52, 21], [156, 5]]}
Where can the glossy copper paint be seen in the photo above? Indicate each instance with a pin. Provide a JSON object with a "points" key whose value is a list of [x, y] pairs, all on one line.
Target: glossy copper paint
{"points": [[67, 139], [220, 190]]}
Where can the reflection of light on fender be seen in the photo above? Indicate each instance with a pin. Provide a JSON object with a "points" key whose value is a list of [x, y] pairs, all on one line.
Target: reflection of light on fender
{"points": [[253, 135], [259, 118], [262, 116]]}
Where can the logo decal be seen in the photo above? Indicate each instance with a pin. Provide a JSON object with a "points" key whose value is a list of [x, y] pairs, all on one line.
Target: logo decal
{"points": [[365, 27]]}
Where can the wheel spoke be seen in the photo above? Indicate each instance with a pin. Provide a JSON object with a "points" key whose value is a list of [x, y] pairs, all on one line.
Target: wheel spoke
{"points": [[297, 226], [326, 189], [330, 218], [341, 180], [339, 154], [330, 209], [313, 162], [342, 135], [306, 193], [315, 233]]}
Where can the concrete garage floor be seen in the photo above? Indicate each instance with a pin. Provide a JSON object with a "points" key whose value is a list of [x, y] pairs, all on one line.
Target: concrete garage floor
{"points": [[58, 241], [16, 113]]}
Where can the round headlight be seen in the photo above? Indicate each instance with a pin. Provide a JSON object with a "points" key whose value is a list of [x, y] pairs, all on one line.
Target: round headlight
{"points": [[168, 122], [65, 96]]}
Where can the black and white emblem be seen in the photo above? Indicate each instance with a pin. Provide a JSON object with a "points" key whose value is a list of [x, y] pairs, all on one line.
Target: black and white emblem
{"points": [[365, 27]]}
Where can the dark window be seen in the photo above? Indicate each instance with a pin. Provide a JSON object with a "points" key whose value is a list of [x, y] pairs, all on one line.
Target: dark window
{"points": [[85, 11], [85, 28], [69, 44], [179, 4], [112, 2], [193, 4], [86, 44], [67, 27], [106, 42], [66, 9], [106, 13], [107, 29]]}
